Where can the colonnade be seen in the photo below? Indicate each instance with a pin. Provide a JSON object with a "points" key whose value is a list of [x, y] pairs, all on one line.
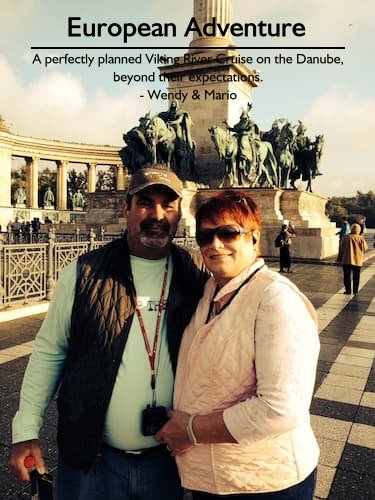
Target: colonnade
{"points": [[64, 154]]}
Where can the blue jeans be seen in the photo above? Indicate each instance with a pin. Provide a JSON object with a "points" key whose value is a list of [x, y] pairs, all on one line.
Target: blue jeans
{"points": [[119, 476], [301, 491]]}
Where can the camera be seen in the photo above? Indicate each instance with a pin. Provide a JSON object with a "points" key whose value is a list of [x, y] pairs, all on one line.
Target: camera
{"points": [[153, 419]]}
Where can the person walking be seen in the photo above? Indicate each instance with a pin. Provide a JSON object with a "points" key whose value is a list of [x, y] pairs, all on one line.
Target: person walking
{"points": [[283, 241], [246, 370], [350, 256], [345, 228], [110, 340]]}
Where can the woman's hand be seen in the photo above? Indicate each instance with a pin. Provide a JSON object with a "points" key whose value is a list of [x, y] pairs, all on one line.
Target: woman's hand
{"points": [[174, 434]]}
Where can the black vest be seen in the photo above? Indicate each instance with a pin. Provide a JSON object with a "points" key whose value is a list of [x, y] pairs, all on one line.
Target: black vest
{"points": [[102, 315]]}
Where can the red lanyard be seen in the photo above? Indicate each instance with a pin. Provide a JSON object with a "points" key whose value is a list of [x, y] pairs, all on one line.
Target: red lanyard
{"points": [[152, 353]]}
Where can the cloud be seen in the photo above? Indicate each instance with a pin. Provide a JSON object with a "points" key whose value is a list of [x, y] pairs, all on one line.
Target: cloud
{"points": [[348, 122], [15, 12], [57, 106]]}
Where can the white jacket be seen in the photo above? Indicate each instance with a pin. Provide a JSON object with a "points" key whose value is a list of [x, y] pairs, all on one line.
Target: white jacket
{"points": [[257, 361]]}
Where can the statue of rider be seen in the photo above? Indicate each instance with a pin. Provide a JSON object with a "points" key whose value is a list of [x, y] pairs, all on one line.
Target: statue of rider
{"points": [[247, 133], [181, 123]]}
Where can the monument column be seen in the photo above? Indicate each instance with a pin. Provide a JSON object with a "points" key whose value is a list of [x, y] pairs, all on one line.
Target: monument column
{"points": [[120, 186], [204, 11], [225, 93], [91, 178], [32, 182], [61, 185]]}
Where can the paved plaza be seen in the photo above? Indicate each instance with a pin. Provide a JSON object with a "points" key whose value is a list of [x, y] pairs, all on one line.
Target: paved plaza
{"points": [[344, 400]]}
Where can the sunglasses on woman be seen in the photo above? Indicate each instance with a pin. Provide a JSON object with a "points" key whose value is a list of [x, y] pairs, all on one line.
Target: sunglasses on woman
{"points": [[226, 234]]}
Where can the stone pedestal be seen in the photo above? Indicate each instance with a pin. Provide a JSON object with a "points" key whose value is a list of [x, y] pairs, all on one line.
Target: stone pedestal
{"points": [[316, 235]]}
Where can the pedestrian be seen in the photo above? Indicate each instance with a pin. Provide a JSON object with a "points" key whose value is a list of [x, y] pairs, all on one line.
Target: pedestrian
{"points": [[283, 241], [246, 370], [351, 253], [35, 225], [25, 229], [345, 228], [111, 339], [362, 223], [16, 230]]}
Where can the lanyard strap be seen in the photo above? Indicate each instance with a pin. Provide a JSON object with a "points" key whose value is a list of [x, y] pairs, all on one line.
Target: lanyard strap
{"points": [[152, 353], [212, 305]]}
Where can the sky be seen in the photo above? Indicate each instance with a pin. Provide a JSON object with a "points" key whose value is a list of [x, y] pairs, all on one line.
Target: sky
{"points": [[81, 104]]}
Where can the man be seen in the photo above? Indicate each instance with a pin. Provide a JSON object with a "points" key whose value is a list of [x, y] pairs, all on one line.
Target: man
{"points": [[111, 337]]}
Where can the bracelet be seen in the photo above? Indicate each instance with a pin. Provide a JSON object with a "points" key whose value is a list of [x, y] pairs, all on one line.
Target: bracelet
{"points": [[190, 431]]}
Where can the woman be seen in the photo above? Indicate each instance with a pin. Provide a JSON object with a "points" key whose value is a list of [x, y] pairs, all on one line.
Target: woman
{"points": [[351, 251], [246, 371], [284, 240]]}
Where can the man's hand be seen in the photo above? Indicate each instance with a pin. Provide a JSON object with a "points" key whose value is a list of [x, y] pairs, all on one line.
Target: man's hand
{"points": [[174, 434], [18, 454]]}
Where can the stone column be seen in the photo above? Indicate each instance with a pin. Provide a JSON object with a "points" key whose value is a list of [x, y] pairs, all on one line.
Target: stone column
{"points": [[61, 184], [120, 186], [32, 182], [204, 11], [5, 176], [91, 178]]}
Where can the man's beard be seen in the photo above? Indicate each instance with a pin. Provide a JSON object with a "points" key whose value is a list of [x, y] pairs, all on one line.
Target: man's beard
{"points": [[155, 234]]}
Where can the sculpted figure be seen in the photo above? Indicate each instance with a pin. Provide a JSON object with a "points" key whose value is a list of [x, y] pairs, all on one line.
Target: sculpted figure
{"points": [[48, 198], [20, 196], [180, 121], [78, 200], [247, 134]]}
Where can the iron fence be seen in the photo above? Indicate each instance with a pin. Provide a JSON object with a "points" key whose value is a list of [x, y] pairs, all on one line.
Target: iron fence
{"points": [[28, 272]]}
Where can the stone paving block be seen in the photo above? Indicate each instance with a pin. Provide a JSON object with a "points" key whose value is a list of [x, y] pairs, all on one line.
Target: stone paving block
{"points": [[368, 399], [345, 381], [370, 386], [324, 480], [330, 451], [355, 351], [352, 371], [349, 485], [362, 435], [330, 428], [341, 394], [331, 341], [369, 339], [358, 459], [367, 323], [353, 360], [333, 409], [329, 352], [365, 416]]}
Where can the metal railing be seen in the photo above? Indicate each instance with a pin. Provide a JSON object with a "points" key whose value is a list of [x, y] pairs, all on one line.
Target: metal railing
{"points": [[28, 272]]}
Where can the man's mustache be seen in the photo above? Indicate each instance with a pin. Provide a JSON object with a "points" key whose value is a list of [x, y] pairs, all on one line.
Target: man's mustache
{"points": [[154, 224]]}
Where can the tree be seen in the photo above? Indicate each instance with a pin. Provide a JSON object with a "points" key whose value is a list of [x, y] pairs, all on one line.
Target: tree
{"points": [[355, 207], [106, 179]]}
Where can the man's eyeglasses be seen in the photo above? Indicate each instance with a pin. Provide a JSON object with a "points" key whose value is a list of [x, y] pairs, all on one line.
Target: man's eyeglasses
{"points": [[226, 234]]}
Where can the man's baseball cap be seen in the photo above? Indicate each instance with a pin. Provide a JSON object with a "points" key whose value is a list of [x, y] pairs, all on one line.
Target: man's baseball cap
{"points": [[154, 176]]}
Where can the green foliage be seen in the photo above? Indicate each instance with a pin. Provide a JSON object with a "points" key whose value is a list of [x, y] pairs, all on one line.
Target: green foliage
{"points": [[106, 179], [355, 207]]}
